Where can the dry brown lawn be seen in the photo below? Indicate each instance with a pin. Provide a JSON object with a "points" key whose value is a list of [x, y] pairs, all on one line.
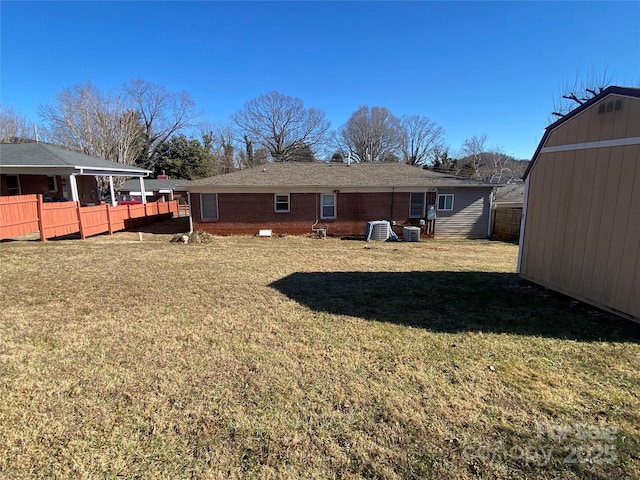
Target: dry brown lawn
{"points": [[305, 358]]}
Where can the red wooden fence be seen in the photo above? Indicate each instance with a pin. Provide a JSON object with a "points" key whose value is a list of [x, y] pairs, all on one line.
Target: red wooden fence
{"points": [[18, 215], [23, 214]]}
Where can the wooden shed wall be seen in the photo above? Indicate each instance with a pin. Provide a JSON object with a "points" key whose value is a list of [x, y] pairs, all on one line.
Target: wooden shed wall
{"points": [[582, 226]]}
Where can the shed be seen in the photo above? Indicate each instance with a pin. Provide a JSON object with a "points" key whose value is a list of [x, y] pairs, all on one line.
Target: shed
{"points": [[580, 230]]}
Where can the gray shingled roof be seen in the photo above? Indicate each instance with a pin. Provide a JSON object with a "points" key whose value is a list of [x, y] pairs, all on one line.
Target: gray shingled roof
{"points": [[44, 155], [513, 193], [152, 184], [369, 175]]}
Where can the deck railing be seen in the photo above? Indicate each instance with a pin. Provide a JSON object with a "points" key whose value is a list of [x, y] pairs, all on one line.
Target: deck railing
{"points": [[24, 214]]}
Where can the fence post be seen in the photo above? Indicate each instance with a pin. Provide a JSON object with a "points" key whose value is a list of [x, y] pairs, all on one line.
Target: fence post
{"points": [[109, 218], [79, 220], [43, 236]]}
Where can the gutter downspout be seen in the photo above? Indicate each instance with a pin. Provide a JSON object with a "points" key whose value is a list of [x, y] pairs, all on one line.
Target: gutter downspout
{"points": [[190, 217], [393, 189], [523, 222], [317, 211], [491, 194]]}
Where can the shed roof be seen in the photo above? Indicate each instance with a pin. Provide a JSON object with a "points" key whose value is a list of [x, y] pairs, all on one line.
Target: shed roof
{"points": [[32, 156], [334, 175], [613, 90]]}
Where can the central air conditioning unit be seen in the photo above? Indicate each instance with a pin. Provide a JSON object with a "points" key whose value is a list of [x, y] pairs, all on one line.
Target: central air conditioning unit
{"points": [[411, 234], [378, 230]]}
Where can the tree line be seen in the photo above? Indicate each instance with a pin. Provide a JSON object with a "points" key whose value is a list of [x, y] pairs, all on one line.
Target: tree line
{"points": [[146, 125]]}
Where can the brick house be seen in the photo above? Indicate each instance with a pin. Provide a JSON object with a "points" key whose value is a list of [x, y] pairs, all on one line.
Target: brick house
{"points": [[299, 198]]}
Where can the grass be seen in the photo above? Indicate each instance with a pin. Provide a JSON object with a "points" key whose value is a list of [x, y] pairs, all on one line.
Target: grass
{"points": [[305, 358]]}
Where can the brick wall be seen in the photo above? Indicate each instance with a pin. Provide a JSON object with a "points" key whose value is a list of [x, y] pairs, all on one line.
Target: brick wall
{"points": [[245, 214], [87, 189], [38, 184], [33, 184]]}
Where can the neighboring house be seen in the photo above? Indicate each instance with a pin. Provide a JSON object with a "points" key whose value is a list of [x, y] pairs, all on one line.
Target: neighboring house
{"points": [[581, 225], [57, 173], [509, 196], [161, 188], [299, 198], [507, 211]]}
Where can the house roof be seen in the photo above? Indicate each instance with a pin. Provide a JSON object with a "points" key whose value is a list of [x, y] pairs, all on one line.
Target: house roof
{"points": [[153, 184], [613, 90], [333, 175], [513, 193], [40, 157]]}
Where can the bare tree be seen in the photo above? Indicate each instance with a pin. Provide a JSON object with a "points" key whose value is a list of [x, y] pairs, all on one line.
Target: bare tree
{"points": [[421, 139], [473, 148], [371, 135], [13, 125], [85, 119], [500, 164], [575, 93], [162, 113], [281, 124]]}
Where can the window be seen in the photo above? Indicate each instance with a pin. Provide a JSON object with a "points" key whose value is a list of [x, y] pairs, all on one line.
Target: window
{"points": [[445, 201], [416, 205], [53, 185], [328, 205], [282, 202], [209, 206], [13, 185]]}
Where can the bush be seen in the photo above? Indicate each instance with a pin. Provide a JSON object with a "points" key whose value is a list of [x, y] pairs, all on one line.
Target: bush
{"points": [[196, 237], [201, 237]]}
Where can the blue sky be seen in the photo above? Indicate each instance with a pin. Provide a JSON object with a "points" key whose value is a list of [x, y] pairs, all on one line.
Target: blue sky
{"points": [[474, 68]]}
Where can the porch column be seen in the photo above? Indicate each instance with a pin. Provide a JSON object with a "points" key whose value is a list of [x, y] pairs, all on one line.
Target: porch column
{"points": [[113, 195], [144, 194], [74, 188]]}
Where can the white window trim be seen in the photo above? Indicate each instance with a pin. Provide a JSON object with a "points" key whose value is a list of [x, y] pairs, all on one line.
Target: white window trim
{"points": [[202, 217], [438, 202], [55, 183], [424, 203], [335, 206], [275, 202]]}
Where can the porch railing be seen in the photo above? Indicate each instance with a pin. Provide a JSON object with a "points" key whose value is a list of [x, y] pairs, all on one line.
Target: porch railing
{"points": [[24, 214]]}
